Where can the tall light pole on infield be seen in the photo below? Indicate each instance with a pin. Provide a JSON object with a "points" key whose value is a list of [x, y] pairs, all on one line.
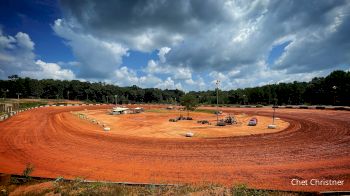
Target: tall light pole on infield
{"points": [[18, 94], [217, 100], [274, 111], [335, 91]]}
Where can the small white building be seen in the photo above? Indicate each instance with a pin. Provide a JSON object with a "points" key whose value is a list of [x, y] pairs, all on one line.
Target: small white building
{"points": [[119, 110]]}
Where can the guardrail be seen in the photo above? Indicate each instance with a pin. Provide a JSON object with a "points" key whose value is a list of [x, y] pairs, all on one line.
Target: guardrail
{"points": [[7, 115]]}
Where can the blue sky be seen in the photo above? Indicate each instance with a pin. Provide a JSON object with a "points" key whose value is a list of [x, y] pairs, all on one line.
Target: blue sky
{"points": [[174, 44]]}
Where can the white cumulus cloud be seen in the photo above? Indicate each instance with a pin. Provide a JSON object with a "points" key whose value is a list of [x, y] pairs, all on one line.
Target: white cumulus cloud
{"points": [[17, 57]]}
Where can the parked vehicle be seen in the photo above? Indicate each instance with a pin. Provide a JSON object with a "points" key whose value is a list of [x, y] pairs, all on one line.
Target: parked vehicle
{"points": [[253, 122]]}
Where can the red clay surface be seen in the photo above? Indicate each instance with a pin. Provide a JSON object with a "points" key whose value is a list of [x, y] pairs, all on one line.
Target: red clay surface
{"points": [[155, 123], [316, 145]]}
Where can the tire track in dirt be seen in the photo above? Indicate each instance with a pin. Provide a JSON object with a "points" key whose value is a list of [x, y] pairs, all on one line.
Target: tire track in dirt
{"points": [[315, 145]]}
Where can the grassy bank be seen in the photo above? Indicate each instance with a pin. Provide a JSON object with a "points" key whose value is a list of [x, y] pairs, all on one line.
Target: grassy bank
{"points": [[30, 186], [25, 105]]}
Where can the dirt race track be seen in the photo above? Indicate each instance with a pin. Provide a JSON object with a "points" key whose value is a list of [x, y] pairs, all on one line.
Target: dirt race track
{"points": [[316, 145]]}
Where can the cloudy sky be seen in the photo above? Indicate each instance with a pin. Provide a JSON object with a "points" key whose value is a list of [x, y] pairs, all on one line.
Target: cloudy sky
{"points": [[184, 44]]}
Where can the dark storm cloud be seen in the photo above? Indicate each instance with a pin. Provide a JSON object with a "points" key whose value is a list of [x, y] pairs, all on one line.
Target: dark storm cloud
{"points": [[131, 16], [222, 35], [320, 30], [161, 21]]}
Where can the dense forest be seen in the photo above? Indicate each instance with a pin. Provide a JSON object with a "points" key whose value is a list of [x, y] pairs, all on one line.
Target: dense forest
{"points": [[333, 89]]}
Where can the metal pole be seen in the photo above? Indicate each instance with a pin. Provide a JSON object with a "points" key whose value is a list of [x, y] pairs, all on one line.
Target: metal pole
{"points": [[18, 94], [334, 88], [273, 116], [116, 99], [274, 110], [217, 100]]}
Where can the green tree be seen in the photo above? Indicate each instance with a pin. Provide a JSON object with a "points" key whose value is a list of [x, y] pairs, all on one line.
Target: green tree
{"points": [[190, 102]]}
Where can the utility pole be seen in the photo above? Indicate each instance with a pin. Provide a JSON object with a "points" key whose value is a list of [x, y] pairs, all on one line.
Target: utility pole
{"points": [[107, 98], [68, 94], [116, 99], [217, 100]]}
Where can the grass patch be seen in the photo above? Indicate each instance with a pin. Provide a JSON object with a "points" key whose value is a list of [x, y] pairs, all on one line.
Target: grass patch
{"points": [[79, 187], [159, 110], [31, 104], [205, 111]]}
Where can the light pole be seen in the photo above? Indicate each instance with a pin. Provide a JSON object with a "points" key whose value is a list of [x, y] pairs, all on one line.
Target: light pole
{"points": [[18, 94], [87, 95], [273, 115], [5, 92], [335, 91], [68, 94], [116, 99], [107, 98], [274, 110], [217, 100]]}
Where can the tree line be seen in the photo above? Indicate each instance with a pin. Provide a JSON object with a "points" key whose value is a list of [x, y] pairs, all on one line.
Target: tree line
{"points": [[333, 89]]}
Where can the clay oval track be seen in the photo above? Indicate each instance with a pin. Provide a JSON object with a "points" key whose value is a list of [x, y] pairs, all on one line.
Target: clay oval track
{"points": [[316, 145]]}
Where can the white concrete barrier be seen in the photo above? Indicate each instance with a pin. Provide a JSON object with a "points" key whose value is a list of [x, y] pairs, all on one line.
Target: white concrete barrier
{"points": [[189, 134], [106, 129]]}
